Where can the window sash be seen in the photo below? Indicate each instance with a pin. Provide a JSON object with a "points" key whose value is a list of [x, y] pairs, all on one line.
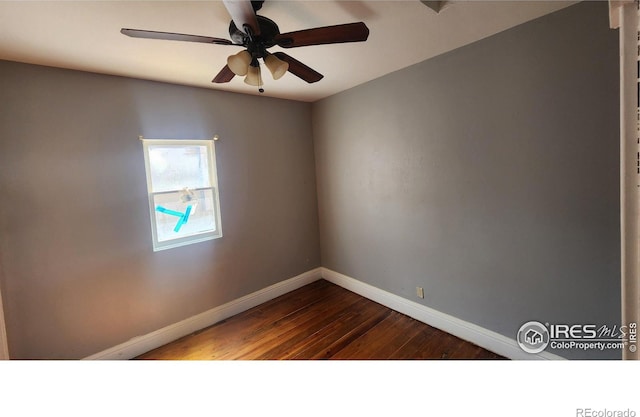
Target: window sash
{"points": [[191, 238]]}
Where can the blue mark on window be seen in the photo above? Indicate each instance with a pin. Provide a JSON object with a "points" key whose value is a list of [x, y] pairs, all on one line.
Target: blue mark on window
{"points": [[183, 217]]}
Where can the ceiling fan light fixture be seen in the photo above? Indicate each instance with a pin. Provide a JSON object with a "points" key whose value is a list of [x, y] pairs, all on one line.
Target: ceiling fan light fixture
{"points": [[255, 34], [253, 77], [239, 63], [276, 66]]}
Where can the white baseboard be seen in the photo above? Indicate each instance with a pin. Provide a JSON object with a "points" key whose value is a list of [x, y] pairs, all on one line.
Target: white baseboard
{"points": [[4, 347], [473, 333], [150, 341]]}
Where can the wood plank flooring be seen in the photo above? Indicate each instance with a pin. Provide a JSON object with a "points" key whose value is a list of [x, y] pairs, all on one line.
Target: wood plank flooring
{"points": [[319, 321]]}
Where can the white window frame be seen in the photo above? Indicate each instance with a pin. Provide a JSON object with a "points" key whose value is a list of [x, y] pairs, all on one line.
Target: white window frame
{"points": [[213, 180]]}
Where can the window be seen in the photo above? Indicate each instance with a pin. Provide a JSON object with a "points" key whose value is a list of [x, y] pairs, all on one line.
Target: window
{"points": [[183, 191]]}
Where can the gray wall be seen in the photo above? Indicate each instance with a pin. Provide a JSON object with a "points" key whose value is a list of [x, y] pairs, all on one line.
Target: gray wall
{"points": [[488, 176], [79, 274]]}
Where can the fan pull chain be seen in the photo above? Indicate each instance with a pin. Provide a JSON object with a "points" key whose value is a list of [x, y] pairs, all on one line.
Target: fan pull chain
{"points": [[260, 89]]}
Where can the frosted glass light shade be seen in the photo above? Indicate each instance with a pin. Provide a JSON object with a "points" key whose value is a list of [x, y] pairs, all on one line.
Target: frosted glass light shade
{"points": [[239, 63], [276, 66], [253, 76]]}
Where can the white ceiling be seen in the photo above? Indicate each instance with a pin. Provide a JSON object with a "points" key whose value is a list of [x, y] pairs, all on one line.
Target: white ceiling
{"points": [[85, 35]]}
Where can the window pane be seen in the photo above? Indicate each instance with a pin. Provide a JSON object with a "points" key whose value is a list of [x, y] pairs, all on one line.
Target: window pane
{"points": [[177, 167], [182, 214]]}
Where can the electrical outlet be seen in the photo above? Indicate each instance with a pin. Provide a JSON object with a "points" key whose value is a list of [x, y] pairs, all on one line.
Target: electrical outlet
{"points": [[420, 292]]}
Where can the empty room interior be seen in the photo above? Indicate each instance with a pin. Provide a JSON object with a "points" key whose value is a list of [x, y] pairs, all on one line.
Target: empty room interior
{"points": [[449, 179]]}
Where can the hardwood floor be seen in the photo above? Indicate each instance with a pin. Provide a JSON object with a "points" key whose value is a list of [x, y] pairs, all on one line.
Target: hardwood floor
{"points": [[320, 321]]}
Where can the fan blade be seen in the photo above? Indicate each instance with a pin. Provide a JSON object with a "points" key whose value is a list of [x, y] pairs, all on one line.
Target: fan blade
{"points": [[299, 69], [224, 76], [241, 12], [349, 32], [150, 34]]}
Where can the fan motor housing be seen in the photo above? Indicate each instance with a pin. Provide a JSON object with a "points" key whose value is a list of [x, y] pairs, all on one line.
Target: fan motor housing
{"points": [[268, 31]]}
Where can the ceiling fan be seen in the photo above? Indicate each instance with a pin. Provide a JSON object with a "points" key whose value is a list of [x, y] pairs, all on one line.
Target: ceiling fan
{"points": [[257, 34]]}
